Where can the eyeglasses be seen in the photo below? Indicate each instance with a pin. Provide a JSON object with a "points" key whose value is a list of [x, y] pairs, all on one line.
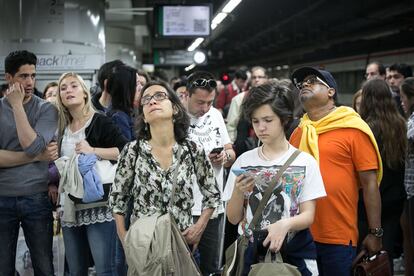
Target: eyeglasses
{"points": [[158, 96], [311, 81], [204, 83]]}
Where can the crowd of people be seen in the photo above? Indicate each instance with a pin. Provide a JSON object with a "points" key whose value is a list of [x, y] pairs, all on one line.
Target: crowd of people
{"points": [[133, 146]]}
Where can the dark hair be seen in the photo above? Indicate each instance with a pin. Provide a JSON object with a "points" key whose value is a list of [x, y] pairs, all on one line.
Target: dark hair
{"points": [[3, 89], [379, 110], [240, 74], [199, 75], [276, 95], [16, 59], [380, 66], [179, 84], [402, 68], [407, 87], [181, 119], [121, 86], [50, 84], [106, 70]]}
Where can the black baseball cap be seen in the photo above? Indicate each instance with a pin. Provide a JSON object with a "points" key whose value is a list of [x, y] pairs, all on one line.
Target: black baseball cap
{"points": [[300, 74]]}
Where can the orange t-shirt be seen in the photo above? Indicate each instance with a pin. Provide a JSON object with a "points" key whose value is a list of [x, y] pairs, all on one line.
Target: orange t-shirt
{"points": [[343, 153]]}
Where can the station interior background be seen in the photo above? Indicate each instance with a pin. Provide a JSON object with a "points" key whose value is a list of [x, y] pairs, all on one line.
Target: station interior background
{"points": [[341, 36]]}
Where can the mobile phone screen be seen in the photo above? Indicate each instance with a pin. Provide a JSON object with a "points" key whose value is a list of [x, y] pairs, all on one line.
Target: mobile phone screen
{"points": [[238, 171]]}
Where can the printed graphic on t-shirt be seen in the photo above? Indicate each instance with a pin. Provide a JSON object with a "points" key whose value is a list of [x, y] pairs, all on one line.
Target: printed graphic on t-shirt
{"points": [[206, 133], [284, 201]]}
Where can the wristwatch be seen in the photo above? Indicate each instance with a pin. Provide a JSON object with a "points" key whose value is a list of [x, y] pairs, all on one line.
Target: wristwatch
{"points": [[377, 232]]}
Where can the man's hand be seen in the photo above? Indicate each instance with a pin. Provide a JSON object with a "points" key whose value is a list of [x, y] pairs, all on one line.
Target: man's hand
{"points": [[83, 147], [15, 95], [49, 154], [372, 244], [217, 159]]}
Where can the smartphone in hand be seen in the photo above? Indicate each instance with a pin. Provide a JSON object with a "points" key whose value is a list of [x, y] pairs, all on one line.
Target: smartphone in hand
{"points": [[217, 150], [238, 171]]}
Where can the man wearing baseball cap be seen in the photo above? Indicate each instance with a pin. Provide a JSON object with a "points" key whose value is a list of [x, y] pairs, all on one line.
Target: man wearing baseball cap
{"points": [[349, 159]]}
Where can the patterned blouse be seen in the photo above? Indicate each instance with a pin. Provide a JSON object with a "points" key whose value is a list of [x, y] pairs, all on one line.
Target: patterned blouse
{"points": [[150, 186]]}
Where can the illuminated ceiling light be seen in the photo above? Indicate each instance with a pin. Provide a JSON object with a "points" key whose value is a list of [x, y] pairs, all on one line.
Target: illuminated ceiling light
{"points": [[230, 6], [199, 57], [213, 26], [218, 18], [195, 44], [189, 67], [95, 19]]}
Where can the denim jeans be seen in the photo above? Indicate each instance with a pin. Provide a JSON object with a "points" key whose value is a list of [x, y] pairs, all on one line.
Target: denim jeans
{"points": [[335, 259], [34, 214], [210, 246], [100, 238]]}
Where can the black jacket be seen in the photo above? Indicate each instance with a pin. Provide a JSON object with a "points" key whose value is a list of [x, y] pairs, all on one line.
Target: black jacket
{"points": [[103, 133]]}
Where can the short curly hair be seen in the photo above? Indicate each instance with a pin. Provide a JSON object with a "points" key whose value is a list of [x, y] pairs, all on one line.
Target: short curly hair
{"points": [[277, 95], [16, 59]]}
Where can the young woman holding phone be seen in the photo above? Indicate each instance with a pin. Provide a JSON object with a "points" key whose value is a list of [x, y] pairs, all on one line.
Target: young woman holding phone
{"points": [[284, 221]]}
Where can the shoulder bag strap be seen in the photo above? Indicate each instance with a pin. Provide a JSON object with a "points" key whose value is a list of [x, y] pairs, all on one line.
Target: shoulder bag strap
{"points": [[174, 181], [269, 190]]}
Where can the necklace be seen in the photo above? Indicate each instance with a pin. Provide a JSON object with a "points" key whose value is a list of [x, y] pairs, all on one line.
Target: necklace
{"points": [[264, 155]]}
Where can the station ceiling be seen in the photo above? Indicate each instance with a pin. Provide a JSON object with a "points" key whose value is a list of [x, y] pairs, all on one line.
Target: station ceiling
{"points": [[276, 32]]}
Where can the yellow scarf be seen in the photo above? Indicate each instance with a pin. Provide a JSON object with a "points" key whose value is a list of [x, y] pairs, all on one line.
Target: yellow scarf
{"points": [[342, 117]]}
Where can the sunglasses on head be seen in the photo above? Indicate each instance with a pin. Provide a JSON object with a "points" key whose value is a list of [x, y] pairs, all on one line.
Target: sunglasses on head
{"points": [[204, 83]]}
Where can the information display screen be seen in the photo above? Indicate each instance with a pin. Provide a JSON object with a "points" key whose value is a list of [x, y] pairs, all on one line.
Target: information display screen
{"points": [[184, 21]]}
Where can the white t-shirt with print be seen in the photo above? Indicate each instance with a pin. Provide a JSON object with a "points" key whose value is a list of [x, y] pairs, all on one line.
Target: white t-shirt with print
{"points": [[302, 181], [210, 132]]}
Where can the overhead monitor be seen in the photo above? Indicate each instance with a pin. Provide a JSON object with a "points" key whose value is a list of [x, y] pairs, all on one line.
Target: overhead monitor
{"points": [[183, 21]]}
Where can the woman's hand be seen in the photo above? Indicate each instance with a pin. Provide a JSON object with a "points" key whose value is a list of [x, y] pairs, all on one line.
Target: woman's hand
{"points": [[277, 233], [193, 234], [244, 183], [83, 147]]}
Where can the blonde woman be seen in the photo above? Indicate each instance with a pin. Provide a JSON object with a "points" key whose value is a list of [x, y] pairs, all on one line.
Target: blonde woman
{"points": [[84, 131]]}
